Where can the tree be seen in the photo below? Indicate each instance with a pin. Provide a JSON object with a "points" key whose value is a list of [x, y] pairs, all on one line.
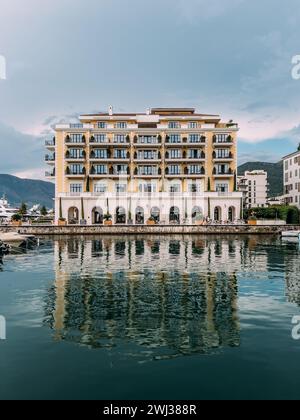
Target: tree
{"points": [[23, 209], [299, 147], [44, 211]]}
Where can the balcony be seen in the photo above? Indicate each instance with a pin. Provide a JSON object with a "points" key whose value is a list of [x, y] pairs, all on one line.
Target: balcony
{"points": [[139, 173], [50, 144], [50, 175], [81, 141], [73, 158], [186, 172], [222, 141], [223, 174], [75, 174], [95, 142], [190, 143], [218, 158], [50, 159], [185, 157]]}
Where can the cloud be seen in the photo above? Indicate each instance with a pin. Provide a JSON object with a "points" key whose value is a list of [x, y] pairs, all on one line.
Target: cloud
{"points": [[20, 151], [192, 10]]}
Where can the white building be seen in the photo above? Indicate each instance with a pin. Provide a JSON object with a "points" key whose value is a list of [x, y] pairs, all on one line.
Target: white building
{"points": [[291, 178], [254, 186]]}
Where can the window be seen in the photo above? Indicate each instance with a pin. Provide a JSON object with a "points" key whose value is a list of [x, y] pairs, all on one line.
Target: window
{"points": [[194, 188], [76, 188], [121, 125], [194, 154], [175, 138], [194, 169], [101, 169], [174, 125], [148, 155], [76, 138], [100, 188], [100, 138], [120, 169], [194, 138], [222, 138], [76, 169], [120, 138], [175, 188], [147, 188], [120, 154], [222, 188], [121, 188], [147, 140], [223, 154], [286, 165], [100, 154], [102, 125], [175, 154], [76, 154], [76, 126], [193, 125], [174, 170], [147, 170]]}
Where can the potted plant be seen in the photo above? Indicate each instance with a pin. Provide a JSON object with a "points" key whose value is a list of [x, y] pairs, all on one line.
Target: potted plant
{"points": [[108, 219], [151, 221], [16, 220], [252, 221], [199, 220], [62, 222]]}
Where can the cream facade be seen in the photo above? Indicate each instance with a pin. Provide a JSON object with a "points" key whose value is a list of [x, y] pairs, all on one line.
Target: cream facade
{"points": [[254, 186], [171, 165], [291, 179]]}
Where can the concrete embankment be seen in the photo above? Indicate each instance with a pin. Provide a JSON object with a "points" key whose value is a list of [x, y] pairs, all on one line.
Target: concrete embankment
{"points": [[149, 230]]}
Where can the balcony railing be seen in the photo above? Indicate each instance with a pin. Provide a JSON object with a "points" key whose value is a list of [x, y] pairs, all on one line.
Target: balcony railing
{"points": [[79, 140], [220, 157], [69, 156], [81, 172], [222, 140], [49, 158], [225, 172], [50, 174], [50, 142]]}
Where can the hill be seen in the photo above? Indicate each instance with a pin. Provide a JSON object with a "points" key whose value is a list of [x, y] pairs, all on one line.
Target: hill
{"points": [[30, 191], [275, 174]]}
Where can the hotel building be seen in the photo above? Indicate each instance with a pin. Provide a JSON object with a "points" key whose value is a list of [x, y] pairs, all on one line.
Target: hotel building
{"points": [[174, 165], [254, 186], [291, 175]]}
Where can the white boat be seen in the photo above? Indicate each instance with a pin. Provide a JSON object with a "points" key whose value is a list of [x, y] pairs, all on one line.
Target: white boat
{"points": [[6, 211], [290, 234], [14, 239]]}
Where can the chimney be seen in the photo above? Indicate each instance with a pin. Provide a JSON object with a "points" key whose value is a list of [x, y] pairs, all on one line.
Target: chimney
{"points": [[111, 110], [148, 111]]}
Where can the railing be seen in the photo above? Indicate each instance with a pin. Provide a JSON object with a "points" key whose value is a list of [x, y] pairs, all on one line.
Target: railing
{"points": [[49, 158], [49, 174], [50, 142]]}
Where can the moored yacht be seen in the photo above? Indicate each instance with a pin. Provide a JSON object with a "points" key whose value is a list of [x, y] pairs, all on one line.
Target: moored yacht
{"points": [[6, 211]]}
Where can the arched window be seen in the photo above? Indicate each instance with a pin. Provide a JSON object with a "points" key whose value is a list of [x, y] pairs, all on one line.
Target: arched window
{"points": [[73, 216], [174, 216], [97, 216], [197, 214], [120, 216], [155, 214], [139, 216], [218, 214], [231, 214]]}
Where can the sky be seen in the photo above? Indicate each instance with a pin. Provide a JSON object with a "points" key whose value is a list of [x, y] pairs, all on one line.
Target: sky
{"points": [[227, 57]]}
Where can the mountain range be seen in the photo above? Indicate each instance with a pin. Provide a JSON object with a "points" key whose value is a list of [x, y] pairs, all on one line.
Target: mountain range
{"points": [[32, 192], [29, 191]]}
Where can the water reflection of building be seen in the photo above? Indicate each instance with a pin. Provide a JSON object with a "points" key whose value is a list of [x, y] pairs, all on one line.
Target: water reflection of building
{"points": [[292, 278], [175, 296]]}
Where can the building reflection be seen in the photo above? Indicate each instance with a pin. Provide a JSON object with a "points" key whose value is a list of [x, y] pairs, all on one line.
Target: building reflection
{"points": [[174, 296]]}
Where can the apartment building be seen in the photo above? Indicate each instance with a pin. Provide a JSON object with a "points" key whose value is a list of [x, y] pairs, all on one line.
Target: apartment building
{"points": [[171, 165], [254, 186], [291, 178]]}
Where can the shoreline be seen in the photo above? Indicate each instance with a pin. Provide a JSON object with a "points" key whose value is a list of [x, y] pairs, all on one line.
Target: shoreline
{"points": [[150, 230]]}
